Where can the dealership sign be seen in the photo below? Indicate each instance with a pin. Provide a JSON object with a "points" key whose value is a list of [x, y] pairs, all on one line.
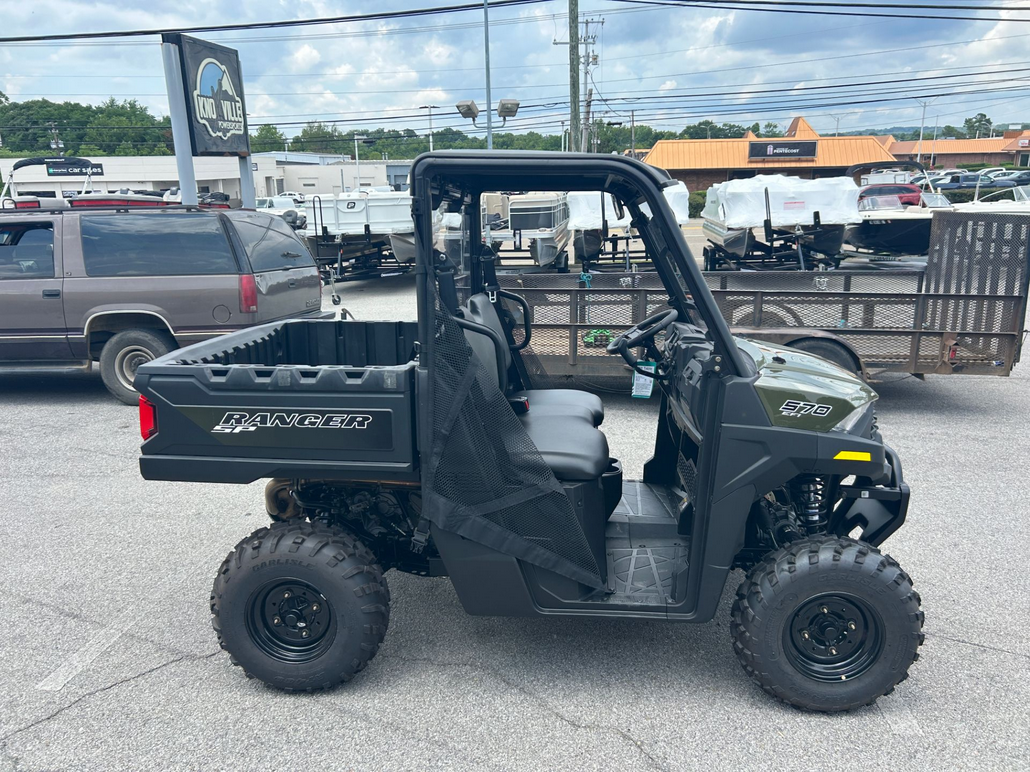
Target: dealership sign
{"points": [[213, 86], [761, 150], [63, 167]]}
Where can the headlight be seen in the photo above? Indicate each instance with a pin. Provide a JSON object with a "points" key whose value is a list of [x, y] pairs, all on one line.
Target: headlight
{"points": [[855, 418]]}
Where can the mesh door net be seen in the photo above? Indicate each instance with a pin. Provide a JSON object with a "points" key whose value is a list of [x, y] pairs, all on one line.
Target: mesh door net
{"points": [[485, 480]]}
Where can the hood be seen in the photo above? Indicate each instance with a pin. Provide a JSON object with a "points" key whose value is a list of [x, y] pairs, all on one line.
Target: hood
{"points": [[802, 391]]}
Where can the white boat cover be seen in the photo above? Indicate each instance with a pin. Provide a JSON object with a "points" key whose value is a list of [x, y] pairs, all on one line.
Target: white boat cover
{"points": [[585, 211], [585, 208], [792, 201]]}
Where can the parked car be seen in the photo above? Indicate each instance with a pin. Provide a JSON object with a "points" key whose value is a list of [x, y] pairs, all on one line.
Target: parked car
{"points": [[297, 198], [122, 286], [908, 194], [1019, 177], [969, 181], [993, 171], [284, 207]]}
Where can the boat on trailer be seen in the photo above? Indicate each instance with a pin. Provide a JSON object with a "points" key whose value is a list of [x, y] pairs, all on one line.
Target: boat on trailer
{"points": [[888, 227], [802, 222]]}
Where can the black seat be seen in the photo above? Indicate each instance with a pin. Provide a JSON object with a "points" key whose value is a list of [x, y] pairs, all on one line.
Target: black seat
{"points": [[562, 423], [479, 309], [570, 445]]}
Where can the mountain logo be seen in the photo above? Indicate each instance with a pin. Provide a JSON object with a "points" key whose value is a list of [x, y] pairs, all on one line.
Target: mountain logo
{"points": [[216, 100]]}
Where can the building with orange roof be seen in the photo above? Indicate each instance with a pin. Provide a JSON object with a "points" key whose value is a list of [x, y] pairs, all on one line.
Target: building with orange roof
{"points": [[801, 152], [1013, 147]]}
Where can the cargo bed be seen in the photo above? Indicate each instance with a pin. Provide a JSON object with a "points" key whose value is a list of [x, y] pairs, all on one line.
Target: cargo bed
{"points": [[314, 397]]}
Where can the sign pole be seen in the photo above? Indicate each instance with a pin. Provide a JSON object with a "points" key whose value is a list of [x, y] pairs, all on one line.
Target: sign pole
{"points": [[180, 125], [247, 194]]}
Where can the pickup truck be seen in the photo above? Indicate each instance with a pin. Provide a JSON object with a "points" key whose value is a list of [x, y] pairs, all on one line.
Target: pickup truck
{"points": [[123, 283]]}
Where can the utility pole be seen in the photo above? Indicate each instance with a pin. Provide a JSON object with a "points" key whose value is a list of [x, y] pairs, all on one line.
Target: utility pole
{"points": [[589, 59], [489, 103], [55, 139], [430, 108], [922, 120], [573, 75], [632, 134]]}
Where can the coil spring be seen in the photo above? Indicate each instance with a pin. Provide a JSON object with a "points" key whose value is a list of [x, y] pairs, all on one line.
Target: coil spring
{"points": [[814, 505]]}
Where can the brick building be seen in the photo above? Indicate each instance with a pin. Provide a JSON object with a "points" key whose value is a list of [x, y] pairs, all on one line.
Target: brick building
{"points": [[801, 152], [1013, 147]]}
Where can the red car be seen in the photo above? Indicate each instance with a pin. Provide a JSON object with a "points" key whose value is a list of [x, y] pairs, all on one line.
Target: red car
{"points": [[909, 194]]}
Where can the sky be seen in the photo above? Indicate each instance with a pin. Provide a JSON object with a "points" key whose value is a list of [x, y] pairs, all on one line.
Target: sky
{"points": [[658, 61]]}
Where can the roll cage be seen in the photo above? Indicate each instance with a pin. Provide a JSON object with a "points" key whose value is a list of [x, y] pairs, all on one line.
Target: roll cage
{"points": [[455, 178]]}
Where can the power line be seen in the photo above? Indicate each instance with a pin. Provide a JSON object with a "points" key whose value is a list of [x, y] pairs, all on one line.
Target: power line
{"points": [[737, 6], [348, 19]]}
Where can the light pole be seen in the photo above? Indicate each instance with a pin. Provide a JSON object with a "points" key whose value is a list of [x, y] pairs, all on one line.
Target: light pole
{"points": [[489, 104], [430, 108], [357, 160], [922, 120]]}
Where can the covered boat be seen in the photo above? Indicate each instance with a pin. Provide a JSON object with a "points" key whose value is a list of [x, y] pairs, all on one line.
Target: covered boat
{"points": [[803, 221]]}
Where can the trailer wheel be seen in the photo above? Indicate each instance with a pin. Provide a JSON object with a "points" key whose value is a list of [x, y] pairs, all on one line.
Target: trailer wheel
{"points": [[301, 606], [122, 355], [829, 350], [827, 624]]}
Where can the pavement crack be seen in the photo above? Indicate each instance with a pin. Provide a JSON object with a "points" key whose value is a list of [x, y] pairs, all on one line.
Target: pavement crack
{"points": [[978, 645], [101, 690], [538, 700]]}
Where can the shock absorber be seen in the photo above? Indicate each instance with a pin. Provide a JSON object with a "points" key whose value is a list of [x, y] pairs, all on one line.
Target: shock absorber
{"points": [[813, 504]]}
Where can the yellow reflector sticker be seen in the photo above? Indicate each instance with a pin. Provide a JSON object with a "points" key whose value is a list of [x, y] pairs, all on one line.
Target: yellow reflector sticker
{"points": [[853, 455]]}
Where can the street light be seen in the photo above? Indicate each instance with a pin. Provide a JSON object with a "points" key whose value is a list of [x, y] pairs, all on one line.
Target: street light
{"points": [[506, 108], [430, 108], [468, 109]]}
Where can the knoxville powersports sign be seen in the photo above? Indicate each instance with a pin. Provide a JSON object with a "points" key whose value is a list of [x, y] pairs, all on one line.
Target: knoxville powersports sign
{"points": [[782, 149], [213, 85]]}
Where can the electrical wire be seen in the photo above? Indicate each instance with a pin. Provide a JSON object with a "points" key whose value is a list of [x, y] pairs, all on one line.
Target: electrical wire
{"points": [[348, 19]]}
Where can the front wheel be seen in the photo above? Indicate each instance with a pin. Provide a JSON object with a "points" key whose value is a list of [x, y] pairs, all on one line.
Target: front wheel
{"points": [[827, 624], [301, 606]]}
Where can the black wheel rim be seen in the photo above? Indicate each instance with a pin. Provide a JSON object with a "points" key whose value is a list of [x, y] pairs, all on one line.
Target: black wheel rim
{"points": [[834, 637], [290, 621]]}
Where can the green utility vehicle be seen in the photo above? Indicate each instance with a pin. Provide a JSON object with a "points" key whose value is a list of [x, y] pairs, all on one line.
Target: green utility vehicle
{"points": [[422, 447]]}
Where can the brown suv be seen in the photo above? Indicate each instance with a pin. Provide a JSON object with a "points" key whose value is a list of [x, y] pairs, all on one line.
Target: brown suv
{"points": [[121, 286]]}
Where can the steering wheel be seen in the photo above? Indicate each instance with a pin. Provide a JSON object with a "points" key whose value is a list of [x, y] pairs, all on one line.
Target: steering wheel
{"points": [[639, 335]]}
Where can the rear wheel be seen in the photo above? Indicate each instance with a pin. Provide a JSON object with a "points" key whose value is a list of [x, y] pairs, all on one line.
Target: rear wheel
{"points": [[827, 624], [123, 354], [829, 350], [301, 606]]}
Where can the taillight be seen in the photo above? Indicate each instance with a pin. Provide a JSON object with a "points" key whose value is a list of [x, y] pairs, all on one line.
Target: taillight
{"points": [[27, 205], [147, 418], [248, 293]]}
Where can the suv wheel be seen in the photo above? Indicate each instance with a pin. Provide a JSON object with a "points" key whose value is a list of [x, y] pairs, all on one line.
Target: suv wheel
{"points": [[123, 354]]}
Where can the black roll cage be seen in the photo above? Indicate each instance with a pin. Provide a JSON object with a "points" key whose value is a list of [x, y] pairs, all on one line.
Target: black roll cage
{"points": [[465, 175]]}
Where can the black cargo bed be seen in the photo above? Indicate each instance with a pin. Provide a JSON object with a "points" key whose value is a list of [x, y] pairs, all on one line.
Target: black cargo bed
{"points": [[305, 397]]}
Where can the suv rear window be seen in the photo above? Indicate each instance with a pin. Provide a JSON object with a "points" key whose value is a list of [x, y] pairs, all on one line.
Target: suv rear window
{"points": [[27, 251], [155, 245], [270, 243]]}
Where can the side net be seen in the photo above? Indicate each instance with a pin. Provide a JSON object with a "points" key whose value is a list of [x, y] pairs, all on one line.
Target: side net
{"points": [[484, 479]]}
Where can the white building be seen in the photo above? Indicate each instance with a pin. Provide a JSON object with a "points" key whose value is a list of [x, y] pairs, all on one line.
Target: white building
{"points": [[306, 173]]}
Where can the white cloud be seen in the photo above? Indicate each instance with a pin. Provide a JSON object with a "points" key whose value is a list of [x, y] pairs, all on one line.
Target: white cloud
{"points": [[669, 85], [304, 58]]}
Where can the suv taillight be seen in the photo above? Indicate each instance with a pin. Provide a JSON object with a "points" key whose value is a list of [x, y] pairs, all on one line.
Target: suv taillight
{"points": [[248, 294], [147, 418], [27, 205]]}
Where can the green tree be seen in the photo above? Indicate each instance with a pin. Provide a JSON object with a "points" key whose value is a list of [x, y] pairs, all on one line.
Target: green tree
{"points": [[771, 130], [978, 126], [267, 139]]}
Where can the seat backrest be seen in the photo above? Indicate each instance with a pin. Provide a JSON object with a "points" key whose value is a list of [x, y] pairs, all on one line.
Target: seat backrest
{"points": [[480, 310]]}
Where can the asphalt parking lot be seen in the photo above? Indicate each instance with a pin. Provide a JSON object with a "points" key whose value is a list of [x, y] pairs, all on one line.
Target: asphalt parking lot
{"points": [[110, 663]]}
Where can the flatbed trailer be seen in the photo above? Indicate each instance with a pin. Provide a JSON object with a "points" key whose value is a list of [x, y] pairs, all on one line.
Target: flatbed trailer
{"points": [[963, 314]]}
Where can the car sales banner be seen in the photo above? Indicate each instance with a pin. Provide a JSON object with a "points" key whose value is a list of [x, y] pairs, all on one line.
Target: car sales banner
{"points": [[213, 86]]}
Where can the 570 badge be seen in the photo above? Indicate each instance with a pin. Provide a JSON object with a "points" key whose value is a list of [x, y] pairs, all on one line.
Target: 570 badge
{"points": [[795, 407]]}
